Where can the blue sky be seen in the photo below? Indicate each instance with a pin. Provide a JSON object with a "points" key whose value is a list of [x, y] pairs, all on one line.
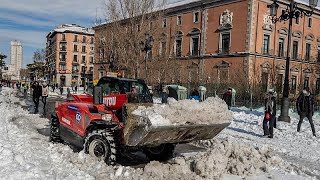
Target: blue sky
{"points": [[29, 21]]}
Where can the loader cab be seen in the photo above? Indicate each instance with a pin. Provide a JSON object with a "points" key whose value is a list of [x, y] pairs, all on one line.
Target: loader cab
{"points": [[113, 86]]}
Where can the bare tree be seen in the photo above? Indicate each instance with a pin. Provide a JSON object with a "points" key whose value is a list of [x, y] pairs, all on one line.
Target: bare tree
{"points": [[122, 40]]}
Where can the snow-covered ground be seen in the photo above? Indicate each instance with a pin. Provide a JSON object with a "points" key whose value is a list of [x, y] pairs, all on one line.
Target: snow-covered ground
{"points": [[238, 152]]}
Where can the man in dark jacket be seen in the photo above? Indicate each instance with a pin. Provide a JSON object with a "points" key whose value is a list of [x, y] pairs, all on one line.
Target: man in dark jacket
{"points": [[227, 96], [270, 113], [305, 108], [37, 92]]}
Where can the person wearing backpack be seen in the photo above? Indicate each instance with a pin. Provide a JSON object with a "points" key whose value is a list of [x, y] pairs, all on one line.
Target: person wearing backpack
{"points": [[270, 114], [305, 108]]}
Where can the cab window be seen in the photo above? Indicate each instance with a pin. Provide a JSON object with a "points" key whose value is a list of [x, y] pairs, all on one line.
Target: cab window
{"points": [[109, 87]]}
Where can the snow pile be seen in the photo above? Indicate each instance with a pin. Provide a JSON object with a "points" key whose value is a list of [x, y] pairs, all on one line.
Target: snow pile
{"points": [[230, 158], [211, 111]]}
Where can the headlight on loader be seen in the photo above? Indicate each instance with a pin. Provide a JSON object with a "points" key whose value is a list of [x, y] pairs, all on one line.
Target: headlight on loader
{"points": [[106, 117]]}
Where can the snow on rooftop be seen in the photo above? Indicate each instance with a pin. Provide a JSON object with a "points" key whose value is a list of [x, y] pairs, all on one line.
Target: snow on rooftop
{"points": [[179, 3], [73, 28]]}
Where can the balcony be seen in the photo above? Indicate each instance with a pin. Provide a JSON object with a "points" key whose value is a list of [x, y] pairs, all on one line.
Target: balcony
{"points": [[63, 49], [63, 40], [75, 62]]}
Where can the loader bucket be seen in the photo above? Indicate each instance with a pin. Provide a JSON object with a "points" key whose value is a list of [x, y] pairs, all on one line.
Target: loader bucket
{"points": [[139, 131]]}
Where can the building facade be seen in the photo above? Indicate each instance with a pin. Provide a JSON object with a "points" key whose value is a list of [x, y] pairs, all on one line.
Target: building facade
{"points": [[234, 43], [13, 71], [70, 55]]}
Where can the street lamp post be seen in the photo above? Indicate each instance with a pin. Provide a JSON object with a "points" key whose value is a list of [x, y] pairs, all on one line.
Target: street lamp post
{"points": [[292, 12], [146, 46]]}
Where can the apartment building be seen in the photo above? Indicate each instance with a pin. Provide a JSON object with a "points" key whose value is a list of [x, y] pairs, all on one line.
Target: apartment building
{"points": [[70, 55], [235, 43]]}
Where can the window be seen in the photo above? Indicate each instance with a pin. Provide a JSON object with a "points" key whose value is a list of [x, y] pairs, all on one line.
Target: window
{"points": [[318, 58], [83, 69], [101, 54], [264, 81], [138, 28], [83, 59], [308, 49], [75, 38], [317, 86], [84, 39], [63, 47], [63, 57], [91, 59], [179, 20], [196, 17], [223, 75], [280, 47], [62, 67], [91, 40], [163, 48], [297, 20], [74, 68], [195, 46], [83, 49], [101, 74], [266, 39], [75, 58], [91, 69], [306, 82], [225, 42], [63, 37], [309, 22], [293, 85], [295, 49], [164, 22], [279, 82], [75, 48], [178, 47], [150, 26]]}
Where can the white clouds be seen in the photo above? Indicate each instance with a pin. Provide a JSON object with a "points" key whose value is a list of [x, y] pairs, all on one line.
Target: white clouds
{"points": [[34, 39]]}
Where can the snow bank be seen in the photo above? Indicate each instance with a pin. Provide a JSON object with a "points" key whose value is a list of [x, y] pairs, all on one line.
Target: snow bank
{"points": [[211, 111], [226, 157]]}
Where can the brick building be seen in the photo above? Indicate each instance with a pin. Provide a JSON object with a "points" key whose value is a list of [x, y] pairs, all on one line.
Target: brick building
{"points": [[234, 43], [70, 55]]}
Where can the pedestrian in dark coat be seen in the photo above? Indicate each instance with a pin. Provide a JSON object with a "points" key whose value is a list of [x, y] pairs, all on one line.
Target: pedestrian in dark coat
{"points": [[37, 92], [305, 108], [270, 114], [227, 96], [61, 90]]}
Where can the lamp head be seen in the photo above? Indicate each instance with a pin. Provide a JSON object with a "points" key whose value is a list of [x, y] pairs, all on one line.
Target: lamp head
{"points": [[273, 8]]}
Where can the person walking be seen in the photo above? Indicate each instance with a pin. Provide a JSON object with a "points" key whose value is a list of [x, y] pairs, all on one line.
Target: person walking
{"points": [[61, 90], [270, 113], [25, 88], [76, 89], [45, 94], [227, 96], [305, 108], [36, 95]]}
